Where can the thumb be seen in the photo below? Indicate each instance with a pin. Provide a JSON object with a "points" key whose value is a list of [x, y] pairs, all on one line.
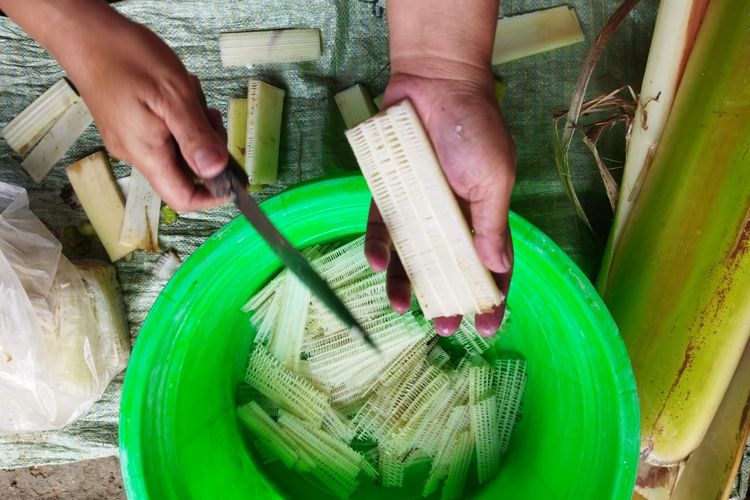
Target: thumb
{"points": [[489, 219], [202, 147]]}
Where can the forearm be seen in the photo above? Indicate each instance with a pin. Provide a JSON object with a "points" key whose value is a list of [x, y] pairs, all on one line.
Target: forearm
{"points": [[442, 38], [61, 26]]}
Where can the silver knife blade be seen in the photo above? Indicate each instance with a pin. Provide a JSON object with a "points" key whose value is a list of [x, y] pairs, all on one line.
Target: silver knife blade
{"points": [[233, 181]]}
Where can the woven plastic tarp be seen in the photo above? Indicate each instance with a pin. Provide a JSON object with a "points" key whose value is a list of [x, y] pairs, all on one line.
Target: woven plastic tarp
{"points": [[355, 49]]}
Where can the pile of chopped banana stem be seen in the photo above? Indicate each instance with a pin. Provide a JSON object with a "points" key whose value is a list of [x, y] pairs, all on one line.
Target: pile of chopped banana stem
{"points": [[318, 401]]}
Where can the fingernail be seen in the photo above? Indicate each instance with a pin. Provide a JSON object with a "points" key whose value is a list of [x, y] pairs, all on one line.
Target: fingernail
{"points": [[378, 255], [445, 326], [399, 306], [208, 160], [488, 324]]}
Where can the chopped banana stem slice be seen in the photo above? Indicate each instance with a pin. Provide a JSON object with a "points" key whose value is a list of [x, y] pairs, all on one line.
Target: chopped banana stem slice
{"points": [[140, 227], [268, 432], [411, 404], [437, 356], [266, 293], [124, 184], [510, 380], [58, 139], [339, 473], [457, 422], [286, 341], [355, 105], [264, 106], [536, 32], [292, 393], [267, 321], [484, 428], [459, 466], [338, 426], [391, 468], [101, 199], [422, 215], [338, 446], [481, 379], [271, 46], [25, 130], [467, 337]]}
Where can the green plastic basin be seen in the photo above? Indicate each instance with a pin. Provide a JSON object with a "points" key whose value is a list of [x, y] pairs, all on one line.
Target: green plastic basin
{"points": [[578, 435]]}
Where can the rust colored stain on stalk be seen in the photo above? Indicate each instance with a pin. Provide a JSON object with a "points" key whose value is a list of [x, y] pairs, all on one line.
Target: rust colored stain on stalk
{"points": [[743, 240], [686, 363], [738, 251], [694, 24]]}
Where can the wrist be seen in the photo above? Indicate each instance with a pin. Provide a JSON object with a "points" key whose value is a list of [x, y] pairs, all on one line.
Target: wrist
{"points": [[79, 26], [440, 67], [445, 39], [63, 27]]}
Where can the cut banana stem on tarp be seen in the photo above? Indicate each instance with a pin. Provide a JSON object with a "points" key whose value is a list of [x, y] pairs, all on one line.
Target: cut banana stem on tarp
{"points": [[263, 132], [536, 32], [101, 199], [271, 46], [355, 105], [58, 139], [25, 130], [422, 215], [140, 227]]}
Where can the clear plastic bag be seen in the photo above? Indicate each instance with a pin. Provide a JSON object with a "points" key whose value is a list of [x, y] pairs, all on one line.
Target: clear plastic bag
{"points": [[63, 333]]}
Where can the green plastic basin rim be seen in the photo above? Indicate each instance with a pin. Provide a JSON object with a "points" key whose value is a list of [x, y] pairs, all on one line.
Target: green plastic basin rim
{"points": [[578, 436]]}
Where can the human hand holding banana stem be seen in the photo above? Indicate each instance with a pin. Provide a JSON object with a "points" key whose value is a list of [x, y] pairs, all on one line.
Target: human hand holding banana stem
{"points": [[443, 67]]}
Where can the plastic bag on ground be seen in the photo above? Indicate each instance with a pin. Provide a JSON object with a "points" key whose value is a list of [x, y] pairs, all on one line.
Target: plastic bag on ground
{"points": [[63, 334]]}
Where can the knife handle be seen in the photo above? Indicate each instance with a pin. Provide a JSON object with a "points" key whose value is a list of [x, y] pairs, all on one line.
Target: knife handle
{"points": [[223, 184], [220, 186]]}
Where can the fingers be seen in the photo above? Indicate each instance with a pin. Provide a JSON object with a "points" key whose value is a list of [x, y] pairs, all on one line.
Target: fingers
{"points": [[488, 324], [377, 241], [187, 119], [151, 148], [213, 114], [198, 89], [163, 172], [214, 117], [489, 219], [397, 285], [380, 256], [445, 326]]}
